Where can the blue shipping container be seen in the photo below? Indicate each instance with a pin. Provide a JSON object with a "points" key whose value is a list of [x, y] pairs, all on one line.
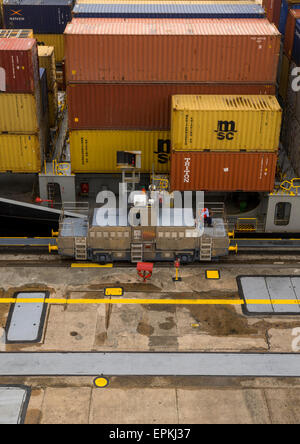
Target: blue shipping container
{"points": [[168, 11], [44, 90], [284, 14], [296, 47], [43, 16]]}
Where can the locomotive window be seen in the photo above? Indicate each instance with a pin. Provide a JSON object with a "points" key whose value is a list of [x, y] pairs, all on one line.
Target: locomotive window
{"points": [[105, 234], [99, 234], [282, 213], [113, 234], [167, 234], [174, 235]]}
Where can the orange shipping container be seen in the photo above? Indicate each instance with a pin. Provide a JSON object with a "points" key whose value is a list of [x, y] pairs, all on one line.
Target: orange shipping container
{"points": [[294, 14], [162, 50], [139, 106], [273, 9], [223, 171]]}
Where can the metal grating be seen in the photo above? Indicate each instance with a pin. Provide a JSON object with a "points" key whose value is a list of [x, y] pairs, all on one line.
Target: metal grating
{"points": [[272, 289], [13, 404], [25, 321]]}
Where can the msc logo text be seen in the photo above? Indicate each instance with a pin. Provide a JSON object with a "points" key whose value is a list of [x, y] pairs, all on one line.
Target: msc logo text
{"points": [[225, 130]]}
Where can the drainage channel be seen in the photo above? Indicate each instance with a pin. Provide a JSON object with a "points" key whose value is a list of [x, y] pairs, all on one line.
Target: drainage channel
{"points": [[150, 364]]}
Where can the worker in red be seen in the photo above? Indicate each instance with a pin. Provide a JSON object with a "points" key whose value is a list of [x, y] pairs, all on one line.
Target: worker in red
{"points": [[207, 217]]}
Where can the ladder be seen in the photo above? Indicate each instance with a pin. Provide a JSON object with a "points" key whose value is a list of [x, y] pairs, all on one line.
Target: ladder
{"points": [[81, 248], [136, 253], [51, 191], [206, 249]]}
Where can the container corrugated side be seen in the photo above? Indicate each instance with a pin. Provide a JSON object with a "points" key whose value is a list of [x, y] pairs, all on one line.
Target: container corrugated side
{"points": [[296, 47], [230, 172], [55, 40], [46, 17], [166, 50], [96, 151], [225, 123], [166, 10], [138, 106], [19, 65], [273, 9], [285, 7], [20, 153], [21, 113], [47, 61], [53, 108], [289, 38]]}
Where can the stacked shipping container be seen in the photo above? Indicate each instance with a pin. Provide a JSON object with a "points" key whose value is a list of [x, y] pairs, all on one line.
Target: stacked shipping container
{"points": [[22, 117], [290, 89], [47, 18], [47, 61], [127, 86], [224, 142]]}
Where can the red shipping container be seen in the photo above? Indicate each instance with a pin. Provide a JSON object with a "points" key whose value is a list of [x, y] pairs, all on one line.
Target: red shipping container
{"points": [[294, 14], [138, 106], [162, 50], [223, 171], [273, 9], [19, 68]]}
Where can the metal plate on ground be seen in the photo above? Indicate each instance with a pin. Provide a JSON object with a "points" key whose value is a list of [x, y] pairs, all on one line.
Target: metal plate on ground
{"points": [[270, 289], [25, 321], [13, 404]]}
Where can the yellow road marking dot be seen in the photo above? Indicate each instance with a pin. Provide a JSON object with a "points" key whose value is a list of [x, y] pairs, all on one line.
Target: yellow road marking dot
{"points": [[212, 274], [101, 382]]}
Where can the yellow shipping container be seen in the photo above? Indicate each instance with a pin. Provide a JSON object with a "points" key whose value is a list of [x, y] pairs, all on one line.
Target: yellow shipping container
{"points": [[16, 33], [47, 61], [56, 40], [52, 107], [20, 153], [19, 113], [96, 151], [225, 123]]}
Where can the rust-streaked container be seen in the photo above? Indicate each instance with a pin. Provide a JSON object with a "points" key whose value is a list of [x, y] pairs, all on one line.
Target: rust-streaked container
{"points": [[225, 123], [18, 65], [138, 106], [223, 171], [96, 151], [20, 153], [294, 14], [163, 50]]}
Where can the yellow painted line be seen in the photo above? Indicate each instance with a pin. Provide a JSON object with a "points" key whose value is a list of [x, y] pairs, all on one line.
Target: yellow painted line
{"points": [[150, 301], [14, 237], [91, 266]]}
